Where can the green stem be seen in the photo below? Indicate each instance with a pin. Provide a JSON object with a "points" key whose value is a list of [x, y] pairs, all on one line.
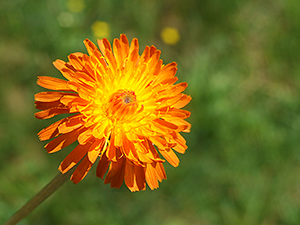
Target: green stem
{"points": [[49, 189]]}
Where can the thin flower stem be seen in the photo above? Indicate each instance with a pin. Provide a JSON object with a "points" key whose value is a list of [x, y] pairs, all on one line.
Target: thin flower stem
{"points": [[41, 196]]}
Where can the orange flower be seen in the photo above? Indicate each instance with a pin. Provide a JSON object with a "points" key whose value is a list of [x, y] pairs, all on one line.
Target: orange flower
{"points": [[122, 106]]}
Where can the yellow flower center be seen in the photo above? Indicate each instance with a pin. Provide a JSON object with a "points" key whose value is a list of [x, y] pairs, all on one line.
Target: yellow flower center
{"points": [[121, 104], [128, 98]]}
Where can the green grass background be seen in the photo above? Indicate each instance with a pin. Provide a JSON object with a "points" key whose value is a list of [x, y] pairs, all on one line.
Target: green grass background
{"points": [[241, 59]]}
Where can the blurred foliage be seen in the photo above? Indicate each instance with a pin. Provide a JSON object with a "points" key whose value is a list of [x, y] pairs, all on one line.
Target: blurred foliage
{"points": [[241, 60]]}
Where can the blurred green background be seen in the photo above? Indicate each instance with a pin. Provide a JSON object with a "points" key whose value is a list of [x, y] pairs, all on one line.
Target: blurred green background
{"points": [[241, 59]]}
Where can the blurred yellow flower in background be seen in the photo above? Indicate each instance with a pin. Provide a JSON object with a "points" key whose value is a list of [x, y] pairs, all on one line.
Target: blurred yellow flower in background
{"points": [[76, 5], [100, 29], [170, 35]]}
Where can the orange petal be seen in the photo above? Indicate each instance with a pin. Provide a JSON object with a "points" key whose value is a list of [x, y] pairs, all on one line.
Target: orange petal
{"points": [[134, 177], [73, 102], [178, 88], [181, 146], [129, 150], [145, 55], [82, 170], [156, 70], [134, 45], [154, 59], [101, 129], [85, 136], [93, 155], [59, 64], [183, 125], [183, 101], [104, 46], [119, 135], [76, 62], [170, 156], [49, 113], [166, 124], [115, 175], [66, 69], [66, 100], [51, 131], [169, 81], [102, 166], [161, 142], [85, 90], [169, 100], [62, 141], [84, 76], [111, 61], [160, 170], [118, 53], [70, 124], [74, 157], [153, 50], [90, 46], [49, 96], [168, 71], [154, 172], [152, 154], [132, 60], [151, 176], [48, 105], [124, 44], [95, 149], [116, 171], [111, 150], [179, 113], [53, 83]]}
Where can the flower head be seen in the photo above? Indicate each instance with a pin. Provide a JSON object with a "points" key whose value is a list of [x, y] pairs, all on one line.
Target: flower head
{"points": [[125, 110]]}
